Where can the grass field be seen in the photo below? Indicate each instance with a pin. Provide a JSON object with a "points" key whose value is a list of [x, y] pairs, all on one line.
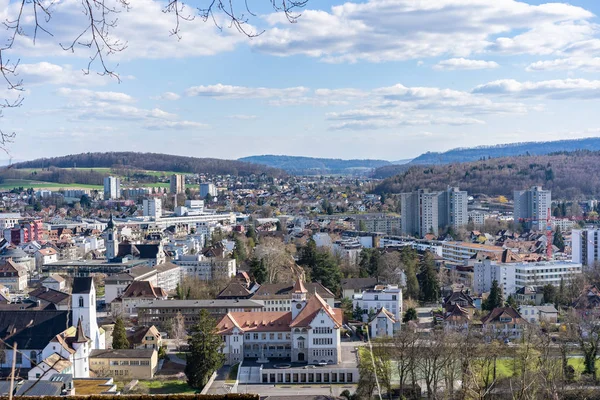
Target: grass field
{"points": [[107, 171], [158, 386], [12, 183]]}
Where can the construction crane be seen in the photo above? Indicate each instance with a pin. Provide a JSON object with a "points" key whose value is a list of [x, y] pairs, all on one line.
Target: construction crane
{"points": [[548, 232]]}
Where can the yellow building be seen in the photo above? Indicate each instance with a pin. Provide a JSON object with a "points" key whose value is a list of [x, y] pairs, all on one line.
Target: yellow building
{"points": [[125, 363], [144, 338]]}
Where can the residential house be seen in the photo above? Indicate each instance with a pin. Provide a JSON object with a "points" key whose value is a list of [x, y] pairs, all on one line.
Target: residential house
{"points": [[54, 281], [537, 314], [503, 323], [144, 337], [352, 286], [51, 299], [529, 295], [125, 363], [382, 324], [372, 300], [115, 285], [45, 256], [138, 293], [13, 276]]}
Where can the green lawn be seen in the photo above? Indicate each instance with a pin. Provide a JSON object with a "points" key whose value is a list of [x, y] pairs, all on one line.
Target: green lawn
{"points": [[158, 386], [232, 377], [15, 183]]}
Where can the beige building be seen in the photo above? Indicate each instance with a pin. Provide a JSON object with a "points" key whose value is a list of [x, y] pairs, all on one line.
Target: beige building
{"points": [[125, 363], [13, 276], [145, 338]]}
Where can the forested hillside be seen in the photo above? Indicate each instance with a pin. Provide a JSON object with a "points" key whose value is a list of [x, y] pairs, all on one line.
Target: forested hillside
{"points": [[573, 175], [505, 150], [152, 162], [314, 166]]}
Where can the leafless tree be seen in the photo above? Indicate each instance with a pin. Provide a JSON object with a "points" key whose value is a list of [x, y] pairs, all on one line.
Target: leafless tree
{"points": [[178, 331], [405, 352], [276, 257], [96, 37]]}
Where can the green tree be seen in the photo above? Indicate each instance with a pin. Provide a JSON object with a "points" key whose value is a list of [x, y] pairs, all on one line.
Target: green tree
{"points": [[308, 254], [205, 351], [494, 300], [258, 270], [559, 241], [327, 271], [251, 233], [410, 315], [364, 263], [550, 294], [346, 305], [511, 302], [239, 251], [357, 313], [119, 335], [412, 282], [428, 282]]}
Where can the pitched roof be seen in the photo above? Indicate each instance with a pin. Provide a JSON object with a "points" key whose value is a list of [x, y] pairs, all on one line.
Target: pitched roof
{"points": [[50, 295], [10, 266], [137, 336], [459, 296], [122, 353], [385, 313], [54, 277], [312, 307], [167, 266], [503, 312], [143, 289], [32, 329], [80, 335], [82, 285], [56, 362], [299, 286], [358, 283], [234, 289], [146, 250], [269, 291], [262, 321]]}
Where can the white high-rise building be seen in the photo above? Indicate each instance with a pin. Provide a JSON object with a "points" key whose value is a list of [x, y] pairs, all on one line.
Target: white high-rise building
{"points": [[532, 207], [208, 188], [585, 246], [177, 184], [452, 208], [112, 188], [152, 208]]}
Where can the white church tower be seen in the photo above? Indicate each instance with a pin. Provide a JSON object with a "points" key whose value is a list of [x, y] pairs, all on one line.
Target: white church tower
{"points": [[83, 306], [110, 241]]}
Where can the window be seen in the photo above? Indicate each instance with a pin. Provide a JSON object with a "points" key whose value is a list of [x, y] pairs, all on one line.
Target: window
{"points": [[19, 358], [80, 301]]}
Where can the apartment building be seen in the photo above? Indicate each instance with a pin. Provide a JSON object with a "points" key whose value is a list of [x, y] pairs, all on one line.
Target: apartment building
{"points": [[372, 300], [585, 246], [458, 253], [112, 188], [152, 208], [426, 212], [532, 207], [206, 268], [208, 188], [388, 224], [177, 184]]}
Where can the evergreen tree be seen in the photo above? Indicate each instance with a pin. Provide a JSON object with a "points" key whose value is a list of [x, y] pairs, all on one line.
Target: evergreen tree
{"points": [[412, 283], [357, 313], [308, 254], [239, 251], [205, 351], [178, 292], [258, 270], [430, 287], [251, 233], [410, 315], [494, 300], [550, 295], [559, 241], [327, 271], [374, 262], [119, 335], [511, 302], [364, 264]]}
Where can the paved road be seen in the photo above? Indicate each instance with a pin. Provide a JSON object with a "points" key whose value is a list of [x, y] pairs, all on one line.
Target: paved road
{"points": [[219, 386]]}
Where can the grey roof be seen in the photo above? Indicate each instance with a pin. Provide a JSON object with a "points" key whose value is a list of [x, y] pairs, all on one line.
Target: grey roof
{"points": [[166, 267], [218, 303], [122, 353], [82, 284], [32, 329], [14, 253], [270, 291], [50, 295], [358, 283], [547, 309]]}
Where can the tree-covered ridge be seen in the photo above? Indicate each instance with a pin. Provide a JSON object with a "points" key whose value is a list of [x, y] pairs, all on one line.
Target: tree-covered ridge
{"points": [[310, 165], [570, 175], [152, 162], [506, 150]]}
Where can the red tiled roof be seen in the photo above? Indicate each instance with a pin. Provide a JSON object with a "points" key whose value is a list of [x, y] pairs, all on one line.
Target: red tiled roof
{"points": [[313, 306], [267, 321]]}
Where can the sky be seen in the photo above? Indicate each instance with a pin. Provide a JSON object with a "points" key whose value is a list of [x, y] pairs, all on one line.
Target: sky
{"points": [[381, 79]]}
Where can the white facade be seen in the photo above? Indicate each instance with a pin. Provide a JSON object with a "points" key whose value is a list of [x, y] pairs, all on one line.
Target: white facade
{"points": [[532, 207], [208, 188], [152, 208], [371, 301], [84, 308], [585, 246], [112, 188], [206, 268], [512, 276], [9, 220]]}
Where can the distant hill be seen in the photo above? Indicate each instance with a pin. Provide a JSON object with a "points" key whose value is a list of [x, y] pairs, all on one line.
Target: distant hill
{"points": [[152, 162], [316, 166], [570, 175], [505, 150]]}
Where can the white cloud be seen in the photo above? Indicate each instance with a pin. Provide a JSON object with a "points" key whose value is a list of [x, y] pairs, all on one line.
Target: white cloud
{"points": [[91, 95], [564, 64], [170, 96], [383, 30], [221, 91], [555, 89], [175, 125], [389, 120], [464, 63], [53, 74], [243, 117]]}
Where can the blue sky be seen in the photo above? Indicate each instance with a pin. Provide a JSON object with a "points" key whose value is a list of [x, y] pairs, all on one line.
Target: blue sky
{"points": [[385, 79]]}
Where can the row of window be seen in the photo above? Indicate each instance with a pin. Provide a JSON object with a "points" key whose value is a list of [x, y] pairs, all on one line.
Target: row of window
{"points": [[322, 341], [321, 330], [134, 363], [263, 336], [323, 353]]}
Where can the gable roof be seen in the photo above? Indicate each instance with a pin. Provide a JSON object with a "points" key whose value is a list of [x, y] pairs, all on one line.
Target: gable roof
{"points": [[459, 296], [234, 289], [122, 353], [385, 313], [50, 295], [270, 291], [262, 321], [10, 266], [143, 289], [32, 329], [503, 312], [137, 336], [146, 250], [312, 308], [358, 283]]}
